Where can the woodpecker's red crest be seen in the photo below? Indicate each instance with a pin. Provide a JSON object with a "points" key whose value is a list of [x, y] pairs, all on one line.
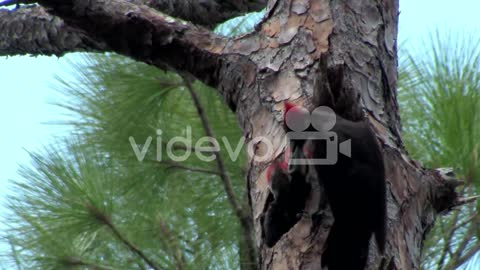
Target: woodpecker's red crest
{"points": [[278, 164], [288, 106]]}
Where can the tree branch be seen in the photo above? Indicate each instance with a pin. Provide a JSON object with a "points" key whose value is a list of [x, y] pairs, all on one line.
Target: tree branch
{"points": [[105, 220], [227, 183], [34, 31], [132, 247], [133, 30], [443, 194], [177, 165], [447, 240], [182, 147], [462, 246], [172, 245], [454, 264], [465, 200], [73, 262], [207, 12]]}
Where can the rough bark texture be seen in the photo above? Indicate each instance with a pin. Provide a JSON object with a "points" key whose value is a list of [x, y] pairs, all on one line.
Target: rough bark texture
{"points": [[202, 12], [206, 12], [301, 46], [33, 31]]}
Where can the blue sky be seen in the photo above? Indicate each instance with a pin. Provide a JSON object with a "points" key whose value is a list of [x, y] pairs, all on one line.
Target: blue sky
{"points": [[25, 91], [418, 17], [26, 82], [24, 110]]}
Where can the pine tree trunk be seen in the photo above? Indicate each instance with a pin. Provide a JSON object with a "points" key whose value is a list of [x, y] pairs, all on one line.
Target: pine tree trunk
{"points": [[350, 48]]}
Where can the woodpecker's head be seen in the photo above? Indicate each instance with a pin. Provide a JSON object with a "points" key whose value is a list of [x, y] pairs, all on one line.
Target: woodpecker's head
{"points": [[281, 165], [288, 107], [277, 178]]}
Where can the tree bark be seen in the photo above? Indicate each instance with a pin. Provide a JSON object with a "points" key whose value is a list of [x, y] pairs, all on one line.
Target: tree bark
{"points": [[204, 12], [301, 48]]}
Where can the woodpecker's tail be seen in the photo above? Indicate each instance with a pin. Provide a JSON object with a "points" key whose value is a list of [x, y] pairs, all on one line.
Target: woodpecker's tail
{"points": [[380, 231], [347, 248], [379, 214]]}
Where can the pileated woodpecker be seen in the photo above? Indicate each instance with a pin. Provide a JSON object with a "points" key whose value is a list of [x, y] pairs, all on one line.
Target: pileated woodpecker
{"points": [[354, 187], [280, 217], [289, 191], [288, 183]]}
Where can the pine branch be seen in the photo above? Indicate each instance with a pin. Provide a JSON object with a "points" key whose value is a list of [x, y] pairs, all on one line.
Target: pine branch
{"points": [[72, 262], [15, 254], [446, 245], [179, 146], [227, 183], [207, 12], [173, 246], [457, 255], [136, 31], [172, 164], [41, 34], [464, 200], [462, 259], [103, 219]]}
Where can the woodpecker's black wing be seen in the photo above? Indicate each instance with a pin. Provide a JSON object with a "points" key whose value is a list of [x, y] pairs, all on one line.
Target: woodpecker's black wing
{"points": [[355, 188]]}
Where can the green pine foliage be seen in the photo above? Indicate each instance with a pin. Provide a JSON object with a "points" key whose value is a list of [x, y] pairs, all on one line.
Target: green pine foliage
{"points": [[439, 95], [81, 194]]}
